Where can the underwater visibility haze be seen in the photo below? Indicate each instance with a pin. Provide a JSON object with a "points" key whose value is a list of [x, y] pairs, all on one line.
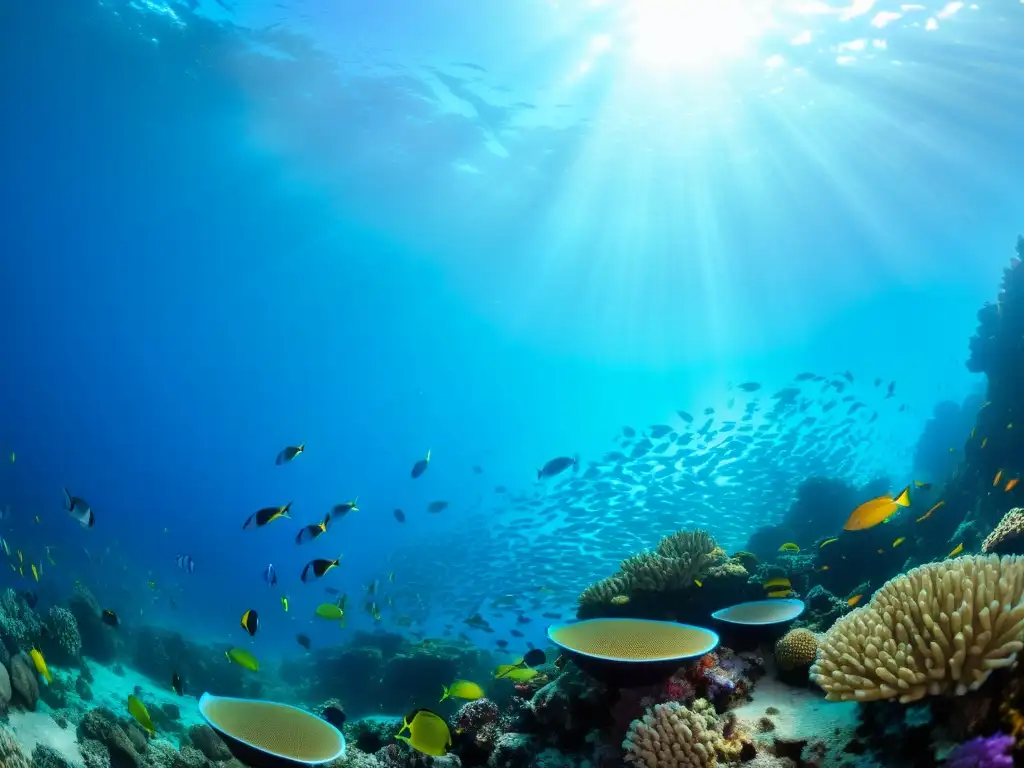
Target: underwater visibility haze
{"points": [[562, 382]]}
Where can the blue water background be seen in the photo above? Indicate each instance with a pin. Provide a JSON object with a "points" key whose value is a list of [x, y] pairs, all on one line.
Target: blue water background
{"points": [[219, 239]]}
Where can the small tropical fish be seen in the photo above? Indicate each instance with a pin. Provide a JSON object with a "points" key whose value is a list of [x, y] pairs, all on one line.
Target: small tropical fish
{"points": [[558, 466], [428, 733], [138, 710], [316, 569], [243, 659], [284, 604], [311, 532], [330, 611], [35, 572], [270, 575], [620, 600], [340, 510], [462, 689], [304, 641], [698, 582], [899, 541], [957, 550], [391, 576], [833, 540], [877, 510], [928, 514], [266, 515], [1011, 484], [777, 582], [437, 506], [79, 509], [998, 477], [420, 466], [854, 600], [40, 664], [399, 515], [176, 684], [517, 673], [789, 546], [250, 622], [924, 486], [984, 442], [289, 453], [186, 563], [823, 568], [109, 618]]}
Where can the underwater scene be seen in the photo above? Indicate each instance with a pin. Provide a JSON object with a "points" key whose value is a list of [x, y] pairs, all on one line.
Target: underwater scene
{"points": [[536, 384]]}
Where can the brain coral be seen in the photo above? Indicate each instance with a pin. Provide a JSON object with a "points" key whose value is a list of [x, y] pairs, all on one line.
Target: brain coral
{"points": [[943, 627], [795, 649], [671, 736]]}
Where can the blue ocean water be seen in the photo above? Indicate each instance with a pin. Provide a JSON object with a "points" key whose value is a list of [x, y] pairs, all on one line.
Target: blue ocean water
{"points": [[498, 232]]}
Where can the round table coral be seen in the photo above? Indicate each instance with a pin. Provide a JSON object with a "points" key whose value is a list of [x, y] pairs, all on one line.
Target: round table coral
{"points": [[631, 652], [265, 734], [749, 624]]}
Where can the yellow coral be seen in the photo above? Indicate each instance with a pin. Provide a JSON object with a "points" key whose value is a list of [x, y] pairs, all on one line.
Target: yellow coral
{"points": [[943, 627], [796, 649]]}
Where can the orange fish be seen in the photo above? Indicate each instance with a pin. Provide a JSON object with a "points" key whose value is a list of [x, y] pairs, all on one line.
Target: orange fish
{"points": [[1011, 484], [928, 514], [878, 510], [999, 476], [854, 600]]}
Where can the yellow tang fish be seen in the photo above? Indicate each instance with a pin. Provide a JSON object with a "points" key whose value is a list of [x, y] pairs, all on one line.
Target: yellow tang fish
{"points": [[957, 550], [138, 710], [854, 600], [984, 442], [777, 582], [35, 572], [462, 689], [243, 659], [899, 541], [41, 668], [284, 604], [877, 510]]}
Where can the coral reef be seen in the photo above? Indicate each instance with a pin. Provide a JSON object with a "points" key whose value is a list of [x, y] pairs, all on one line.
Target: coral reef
{"points": [[983, 752], [1006, 538], [673, 736], [922, 633], [11, 753], [64, 644]]}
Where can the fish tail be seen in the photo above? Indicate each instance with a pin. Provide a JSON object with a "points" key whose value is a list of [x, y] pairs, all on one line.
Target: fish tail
{"points": [[444, 693], [540, 473]]}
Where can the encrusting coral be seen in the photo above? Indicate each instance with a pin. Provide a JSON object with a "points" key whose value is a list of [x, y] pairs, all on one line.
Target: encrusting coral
{"points": [[679, 559], [1006, 538], [943, 627], [11, 754], [63, 626]]}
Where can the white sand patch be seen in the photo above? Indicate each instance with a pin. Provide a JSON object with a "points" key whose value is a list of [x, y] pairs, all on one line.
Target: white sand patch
{"points": [[31, 728]]}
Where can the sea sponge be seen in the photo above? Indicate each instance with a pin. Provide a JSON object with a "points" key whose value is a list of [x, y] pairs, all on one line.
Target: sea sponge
{"points": [[671, 736], [1006, 537], [678, 559], [795, 649], [943, 627], [64, 627]]}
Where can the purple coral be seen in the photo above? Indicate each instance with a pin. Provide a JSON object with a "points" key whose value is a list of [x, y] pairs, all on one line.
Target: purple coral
{"points": [[983, 752]]}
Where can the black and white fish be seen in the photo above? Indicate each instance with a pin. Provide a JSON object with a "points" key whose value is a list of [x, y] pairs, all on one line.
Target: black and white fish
{"points": [[79, 509]]}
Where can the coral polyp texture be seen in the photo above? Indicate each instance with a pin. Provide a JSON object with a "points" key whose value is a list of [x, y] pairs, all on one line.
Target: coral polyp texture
{"points": [[1006, 537], [671, 736], [796, 649], [941, 628], [634, 639], [679, 559]]}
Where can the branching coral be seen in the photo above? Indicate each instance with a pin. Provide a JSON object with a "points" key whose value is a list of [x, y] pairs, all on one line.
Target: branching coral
{"points": [[11, 753], [1006, 538], [671, 736], [679, 559], [943, 627]]}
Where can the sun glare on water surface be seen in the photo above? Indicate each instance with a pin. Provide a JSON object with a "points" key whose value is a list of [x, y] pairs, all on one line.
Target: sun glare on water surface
{"points": [[681, 34]]}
